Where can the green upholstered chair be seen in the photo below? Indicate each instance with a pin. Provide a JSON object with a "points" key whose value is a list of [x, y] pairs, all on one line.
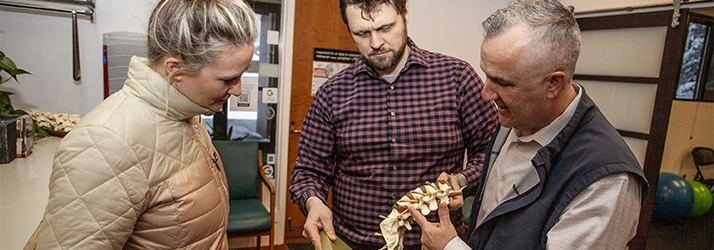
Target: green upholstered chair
{"points": [[466, 209], [248, 216]]}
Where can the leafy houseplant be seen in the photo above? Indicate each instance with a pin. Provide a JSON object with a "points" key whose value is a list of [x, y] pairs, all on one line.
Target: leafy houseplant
{"points": [[8, 66], [6, 108]]}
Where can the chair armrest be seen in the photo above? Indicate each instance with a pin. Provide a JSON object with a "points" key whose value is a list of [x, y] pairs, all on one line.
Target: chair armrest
{"points": [[271, 189], [267, 183]]}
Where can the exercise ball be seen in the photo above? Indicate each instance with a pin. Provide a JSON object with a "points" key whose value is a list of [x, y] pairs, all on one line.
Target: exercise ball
{"points": [[702, 199], [674, 197]]}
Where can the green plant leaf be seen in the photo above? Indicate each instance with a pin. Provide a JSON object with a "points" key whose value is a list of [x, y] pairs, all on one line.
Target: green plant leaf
{"points": [[4, 95], [39, 132], [6, 110], [7, 64], [5, 104], [19, 72]]}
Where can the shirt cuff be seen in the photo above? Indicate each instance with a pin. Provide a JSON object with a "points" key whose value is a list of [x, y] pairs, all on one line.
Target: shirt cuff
{"points": [[305, 196], [457, 244]]}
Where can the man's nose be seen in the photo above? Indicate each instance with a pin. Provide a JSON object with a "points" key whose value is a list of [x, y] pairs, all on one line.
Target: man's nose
{"points": [[488, 93], [376, 41]]}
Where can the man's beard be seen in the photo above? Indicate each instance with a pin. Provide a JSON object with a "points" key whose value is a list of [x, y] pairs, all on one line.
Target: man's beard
{"points": [[388, 62]]}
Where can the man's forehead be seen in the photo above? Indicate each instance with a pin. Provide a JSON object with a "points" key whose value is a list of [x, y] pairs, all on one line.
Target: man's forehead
{"points": [[381, 15]]}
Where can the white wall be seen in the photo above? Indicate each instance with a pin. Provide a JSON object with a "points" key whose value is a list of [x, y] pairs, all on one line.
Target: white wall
{"points": [[454, 27], [690, 125], [590, 5], [451, 27], [41, 43]]}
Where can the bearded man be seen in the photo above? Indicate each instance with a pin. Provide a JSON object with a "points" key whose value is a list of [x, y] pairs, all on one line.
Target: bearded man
{"points": [[391, 121]]}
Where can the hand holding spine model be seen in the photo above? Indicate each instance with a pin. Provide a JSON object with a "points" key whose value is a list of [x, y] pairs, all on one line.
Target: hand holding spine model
{"points": [[425, 198]]}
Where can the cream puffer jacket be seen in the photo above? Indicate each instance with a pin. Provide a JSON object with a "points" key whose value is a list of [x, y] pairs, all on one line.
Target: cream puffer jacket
{"points": [[138, 172]]}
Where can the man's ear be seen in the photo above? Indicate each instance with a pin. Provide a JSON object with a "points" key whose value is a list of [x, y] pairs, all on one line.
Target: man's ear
{"points": [[406, 13], [556, 84], [173, 64]]}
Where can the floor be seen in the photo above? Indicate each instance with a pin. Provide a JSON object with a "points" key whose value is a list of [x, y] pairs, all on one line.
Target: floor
{"points": [[300, 246], [24, 193], [687, 233], [23, 197]]}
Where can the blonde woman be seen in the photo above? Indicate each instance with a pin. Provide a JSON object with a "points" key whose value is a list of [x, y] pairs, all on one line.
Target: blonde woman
{"points": [[139, 171]]}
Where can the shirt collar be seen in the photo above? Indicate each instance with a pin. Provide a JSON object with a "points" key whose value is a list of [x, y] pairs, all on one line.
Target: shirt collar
{"points": [[546, 134]]}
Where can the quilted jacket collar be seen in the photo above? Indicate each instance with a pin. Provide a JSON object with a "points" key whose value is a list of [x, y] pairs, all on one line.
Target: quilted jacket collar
{"points": [[147, 85]]}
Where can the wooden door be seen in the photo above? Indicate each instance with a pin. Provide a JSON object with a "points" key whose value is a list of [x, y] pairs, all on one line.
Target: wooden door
{"points": [[317, 25]]}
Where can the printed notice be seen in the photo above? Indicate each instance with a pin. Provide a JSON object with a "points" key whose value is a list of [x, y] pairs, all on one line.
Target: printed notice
{"points": [[248, 100], [328, 62]]}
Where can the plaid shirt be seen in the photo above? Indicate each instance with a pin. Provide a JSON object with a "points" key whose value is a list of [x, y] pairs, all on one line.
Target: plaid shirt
{"points": [[373, 141]]}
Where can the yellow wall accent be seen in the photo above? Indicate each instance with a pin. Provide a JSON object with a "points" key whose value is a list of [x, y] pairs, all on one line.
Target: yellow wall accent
{"points": [[691, 124]]}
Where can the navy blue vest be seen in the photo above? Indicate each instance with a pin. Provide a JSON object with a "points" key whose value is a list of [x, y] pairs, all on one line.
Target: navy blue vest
{"points": [[587, 149]]}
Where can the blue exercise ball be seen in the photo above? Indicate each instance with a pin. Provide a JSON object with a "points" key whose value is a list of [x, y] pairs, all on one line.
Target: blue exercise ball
{"points": [[674, 198]]}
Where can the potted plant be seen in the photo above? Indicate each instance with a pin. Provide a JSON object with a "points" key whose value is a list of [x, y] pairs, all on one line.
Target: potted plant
{"points": [[9, 67], [8, 115], [12, 120]]}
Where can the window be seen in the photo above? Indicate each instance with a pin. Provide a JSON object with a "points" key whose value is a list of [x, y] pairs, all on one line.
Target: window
{"points": [[247, 117], [696, 79]]}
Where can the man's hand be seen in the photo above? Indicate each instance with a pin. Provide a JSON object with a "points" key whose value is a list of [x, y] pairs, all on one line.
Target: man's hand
{"points": [[457, 200], [319, 217], [435, 235]]}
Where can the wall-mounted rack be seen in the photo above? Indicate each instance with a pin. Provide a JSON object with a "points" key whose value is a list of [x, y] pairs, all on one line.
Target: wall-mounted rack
{"points": [[87, 8]]}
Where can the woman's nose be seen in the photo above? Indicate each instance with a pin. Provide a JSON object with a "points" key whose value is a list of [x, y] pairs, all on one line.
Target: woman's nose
{"points": [[236, 90]]}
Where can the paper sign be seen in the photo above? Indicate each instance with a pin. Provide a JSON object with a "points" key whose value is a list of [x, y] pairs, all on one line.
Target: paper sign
{"points": [[270, 159], [248, 100], [270, 95], [273, 37], [327, 63]]}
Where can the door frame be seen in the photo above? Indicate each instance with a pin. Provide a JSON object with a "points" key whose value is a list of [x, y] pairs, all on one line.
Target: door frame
{"points": [[283, 117]]}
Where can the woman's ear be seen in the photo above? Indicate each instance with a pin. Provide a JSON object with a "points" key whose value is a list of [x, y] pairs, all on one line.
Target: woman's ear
{"points": [[172, 65]]}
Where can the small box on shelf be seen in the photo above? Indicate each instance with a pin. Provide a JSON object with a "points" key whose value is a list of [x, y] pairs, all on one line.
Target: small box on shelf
{"points": [[8, 138], [25, 136]]}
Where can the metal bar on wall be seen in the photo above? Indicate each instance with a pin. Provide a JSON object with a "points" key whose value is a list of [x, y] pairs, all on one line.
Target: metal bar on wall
{"points": [[644, 8], [89, 11], [76, 72]]}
